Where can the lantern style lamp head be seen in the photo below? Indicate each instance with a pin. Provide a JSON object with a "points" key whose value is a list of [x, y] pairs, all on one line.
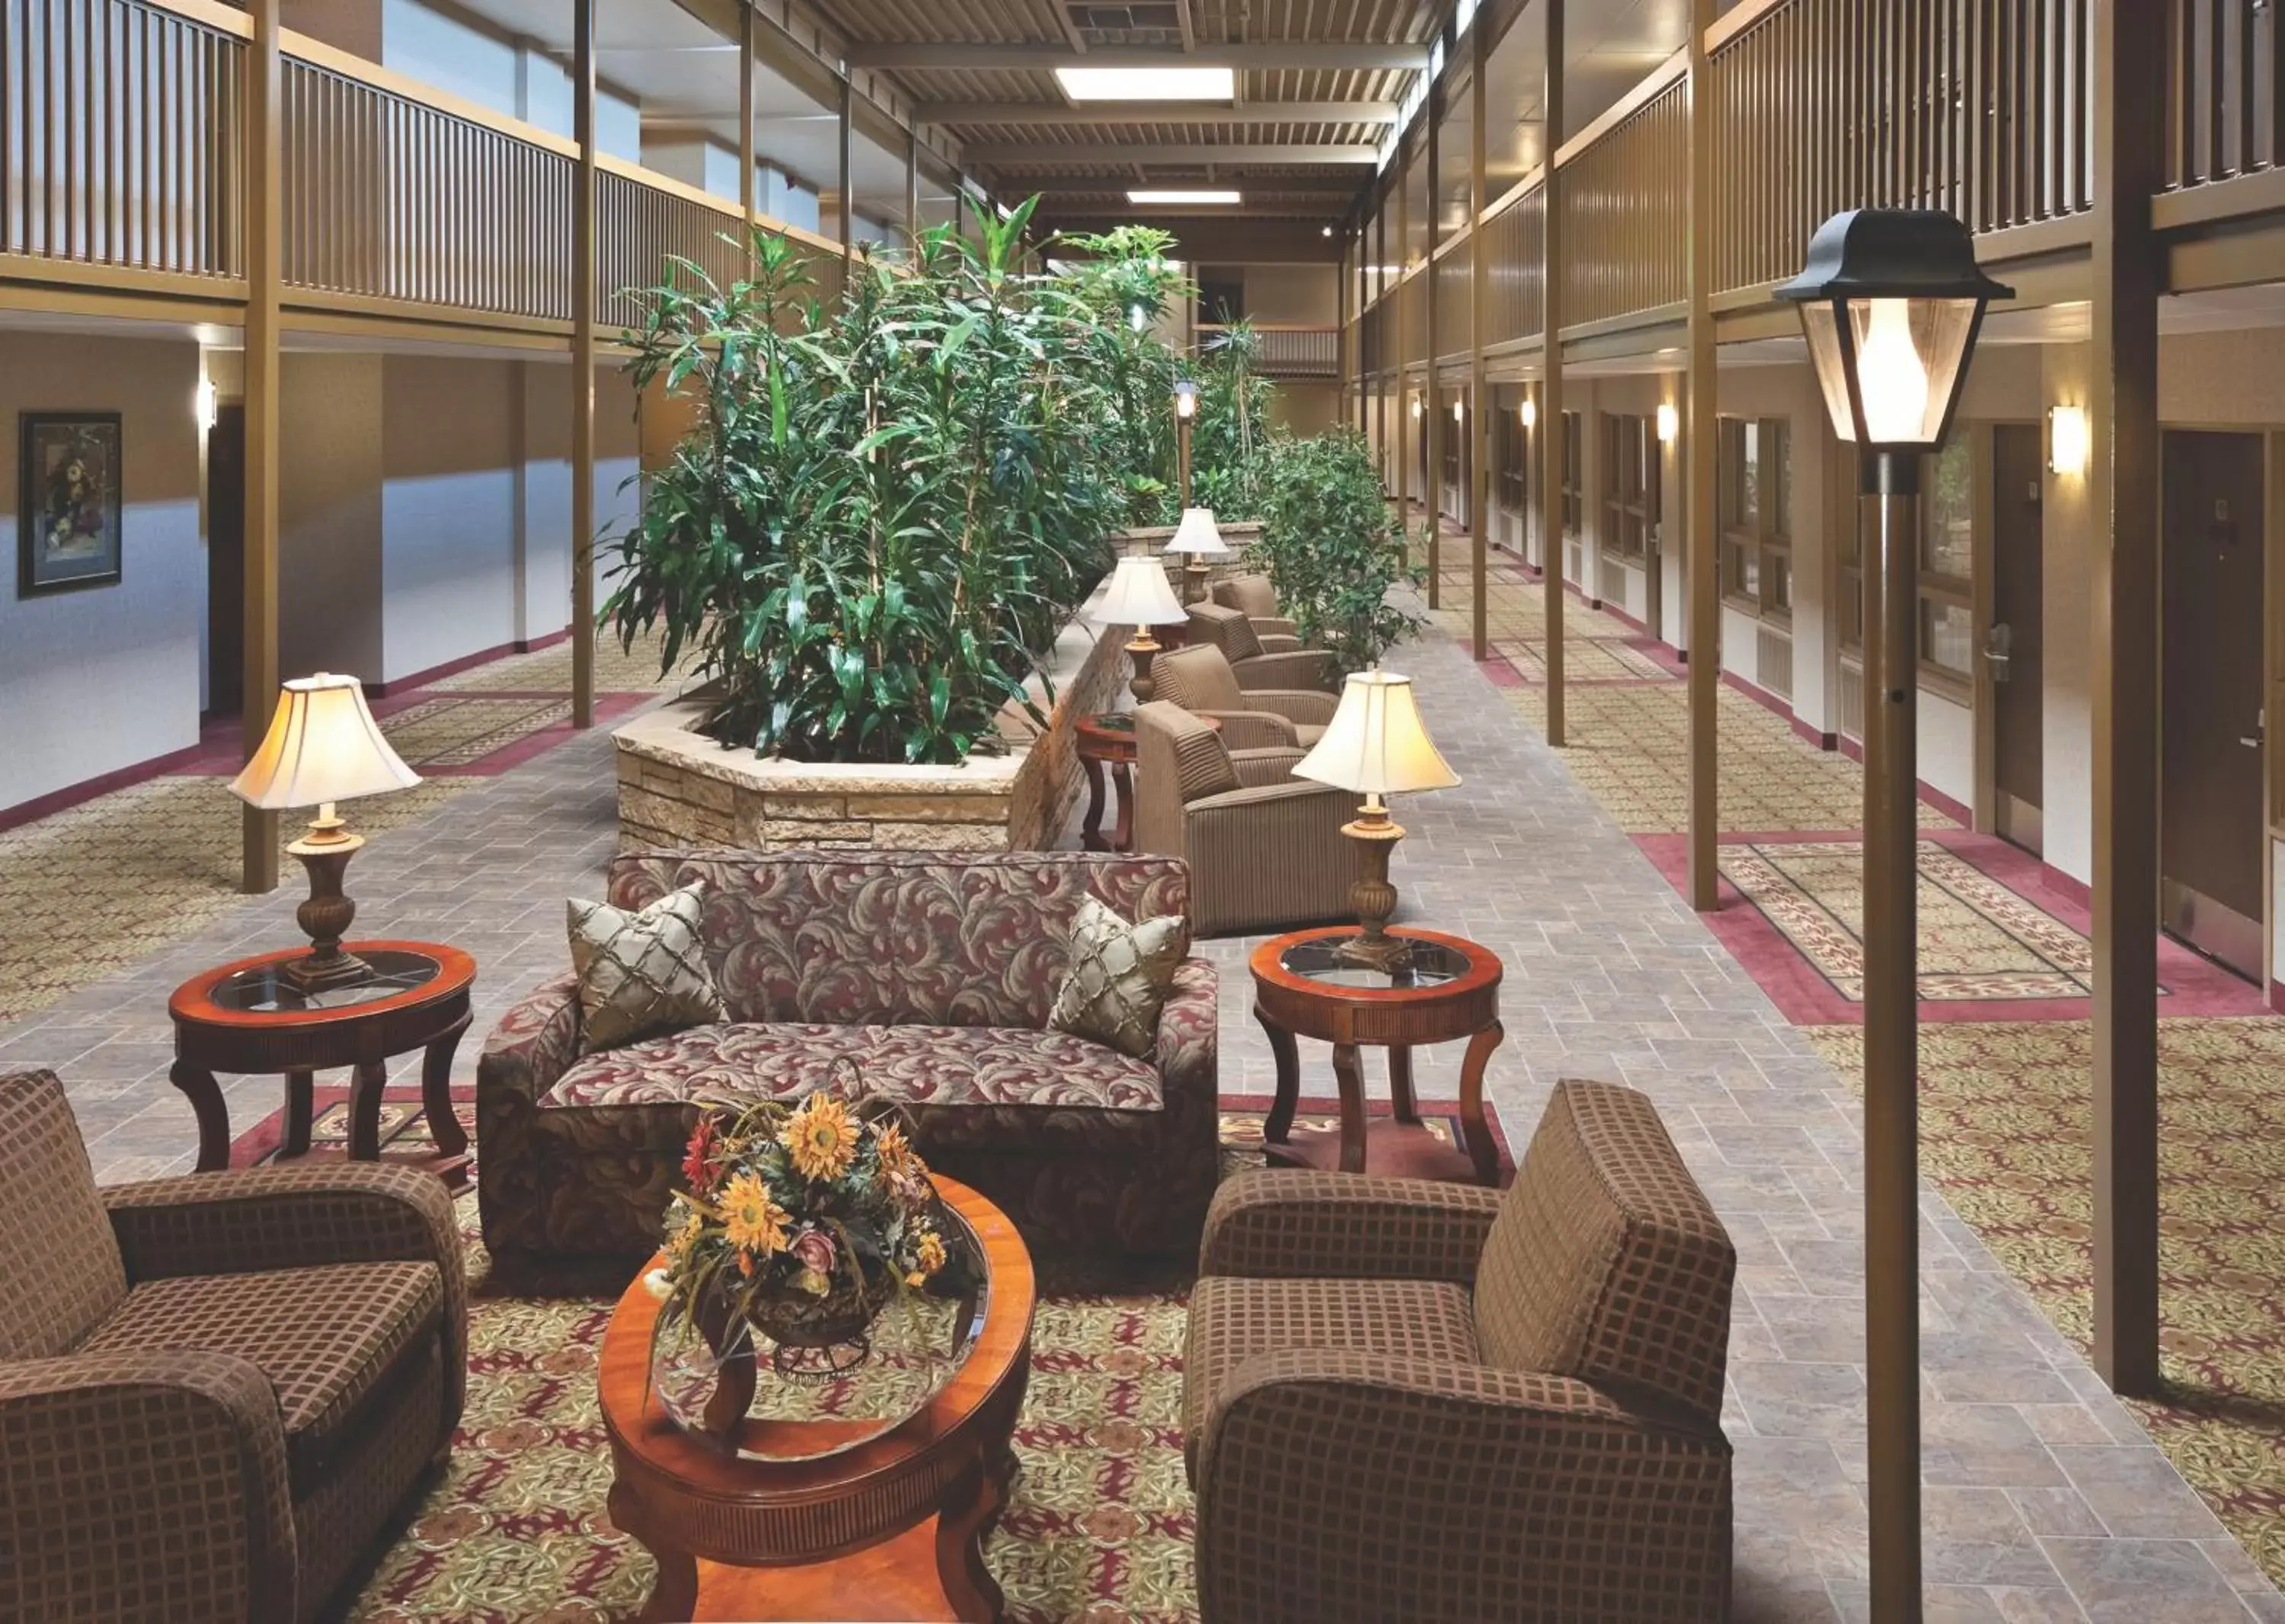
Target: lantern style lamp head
{"points": [[323, 746], [1890, 302], [1186, 400], [1197, 540], [1138, 596], [1376, 745]]}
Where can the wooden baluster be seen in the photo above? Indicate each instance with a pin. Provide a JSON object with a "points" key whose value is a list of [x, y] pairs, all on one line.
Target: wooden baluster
{"points": [[2242, 13]]}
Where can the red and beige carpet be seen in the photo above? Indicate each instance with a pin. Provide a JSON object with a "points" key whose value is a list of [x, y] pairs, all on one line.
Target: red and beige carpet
{"points": [[2004, 1043], [516, 1529]]}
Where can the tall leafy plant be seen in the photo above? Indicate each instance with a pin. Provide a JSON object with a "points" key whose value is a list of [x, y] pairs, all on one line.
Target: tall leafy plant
{"points": [[1229, 444], [1125, 282], [890, 501], [1331, 547]]}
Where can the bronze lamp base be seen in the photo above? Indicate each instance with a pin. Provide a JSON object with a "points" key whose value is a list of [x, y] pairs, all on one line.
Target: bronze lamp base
{"points": [[1139, 653], [1373, 897], [325, 852]]}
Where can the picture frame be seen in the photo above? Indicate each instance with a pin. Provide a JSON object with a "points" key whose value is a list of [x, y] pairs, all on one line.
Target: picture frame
{"points": [[68, 498]]}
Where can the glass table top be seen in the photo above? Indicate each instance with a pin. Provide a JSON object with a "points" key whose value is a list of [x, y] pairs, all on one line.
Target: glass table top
{"points": [[1425, 964], [266, 990], [913, 1350]]}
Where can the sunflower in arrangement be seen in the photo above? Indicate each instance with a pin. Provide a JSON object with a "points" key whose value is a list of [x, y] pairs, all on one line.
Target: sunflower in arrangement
{"points": [[801, 1219]]}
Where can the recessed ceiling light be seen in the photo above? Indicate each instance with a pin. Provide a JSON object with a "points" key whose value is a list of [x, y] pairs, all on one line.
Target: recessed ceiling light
{"points": [[1185, 197], [1149, 83]]}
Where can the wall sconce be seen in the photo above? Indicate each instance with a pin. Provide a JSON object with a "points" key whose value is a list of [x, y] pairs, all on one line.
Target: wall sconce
{"points": [[1136, 317], [1416, 408], [2070, 441], [204, 406], [1670, 422], [1529, 413], [1460, 410]]}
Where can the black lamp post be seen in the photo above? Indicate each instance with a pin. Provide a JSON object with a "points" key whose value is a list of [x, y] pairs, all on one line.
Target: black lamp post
{"points": [[1890, 302], [1185, 408]]}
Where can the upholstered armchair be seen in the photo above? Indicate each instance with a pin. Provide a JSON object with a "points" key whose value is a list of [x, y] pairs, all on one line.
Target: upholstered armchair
{"points": [[1253, 597], [1416, 1400], [1200, 681], [1254, 663], [214, 1390], [1265, 848]]}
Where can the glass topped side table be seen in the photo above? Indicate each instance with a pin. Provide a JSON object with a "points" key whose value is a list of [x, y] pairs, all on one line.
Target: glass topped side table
{"points": [[246, 1018], [1446, 989]]}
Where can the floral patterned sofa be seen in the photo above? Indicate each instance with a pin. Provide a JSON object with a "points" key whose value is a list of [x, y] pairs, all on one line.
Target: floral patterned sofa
{"points": [[934, 974]]}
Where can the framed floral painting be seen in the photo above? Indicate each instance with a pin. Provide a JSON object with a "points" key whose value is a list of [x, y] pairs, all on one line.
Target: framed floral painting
{"points": [[68, 501]]}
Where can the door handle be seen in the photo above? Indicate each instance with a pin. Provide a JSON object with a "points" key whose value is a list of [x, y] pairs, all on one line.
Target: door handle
{"points": [[1998, 647]]}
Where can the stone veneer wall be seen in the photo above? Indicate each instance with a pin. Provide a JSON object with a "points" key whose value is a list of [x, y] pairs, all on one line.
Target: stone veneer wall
{"points": [[679, 787]]}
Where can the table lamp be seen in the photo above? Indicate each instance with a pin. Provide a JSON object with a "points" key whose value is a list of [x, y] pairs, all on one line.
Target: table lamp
{"points": [[1197, 540], [323, 747], [1375, 745], [1139, 597]]}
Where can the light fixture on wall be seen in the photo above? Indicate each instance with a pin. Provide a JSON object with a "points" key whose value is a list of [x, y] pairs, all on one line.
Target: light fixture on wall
{"points": [[2071, 442], [1670, 422], [204, 404], [1529, 413], [1460, 410], [1417, 409]]}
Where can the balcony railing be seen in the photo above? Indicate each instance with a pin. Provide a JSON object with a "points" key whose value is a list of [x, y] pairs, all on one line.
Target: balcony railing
{"points": [[1288, 349], [122, 164]]}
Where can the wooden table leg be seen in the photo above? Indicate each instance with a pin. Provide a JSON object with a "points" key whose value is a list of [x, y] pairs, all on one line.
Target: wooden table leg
{"points": [[970, 1506], [204, 1094], [365, 1110], [1481, 1151], [437, 1093], [1348, 1068], [1122, 832], [301, 1087], [1090, 831], [1288, 1055], [1400, 1083]]}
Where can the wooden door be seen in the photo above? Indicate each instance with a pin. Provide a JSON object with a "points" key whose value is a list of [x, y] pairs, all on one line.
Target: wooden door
{"points": [[2012, 643], [226, 561], [2211, 720]]}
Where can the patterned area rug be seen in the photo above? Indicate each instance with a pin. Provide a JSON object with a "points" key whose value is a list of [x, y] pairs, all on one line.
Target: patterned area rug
{"points": [[2005, 1134], [1100, 1528]]}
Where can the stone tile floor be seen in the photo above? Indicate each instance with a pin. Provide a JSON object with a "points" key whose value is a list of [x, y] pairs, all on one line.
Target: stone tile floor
{"points": [[2046, 1500]]}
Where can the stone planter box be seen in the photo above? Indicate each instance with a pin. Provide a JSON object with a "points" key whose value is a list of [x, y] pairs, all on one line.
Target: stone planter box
{"points": [[679, 787]]}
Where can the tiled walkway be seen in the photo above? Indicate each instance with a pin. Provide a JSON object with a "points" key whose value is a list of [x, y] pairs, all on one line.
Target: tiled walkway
{"points": [[2046, 1501]]}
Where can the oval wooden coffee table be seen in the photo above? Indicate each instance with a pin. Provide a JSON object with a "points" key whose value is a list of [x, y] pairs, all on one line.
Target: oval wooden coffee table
{"points": [[246, 1018], [892, 1528], [1448, 990]]}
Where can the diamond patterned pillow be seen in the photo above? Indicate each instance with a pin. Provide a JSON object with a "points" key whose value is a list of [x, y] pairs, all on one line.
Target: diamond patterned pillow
{"points": [[641, 973], [1119, 978]]}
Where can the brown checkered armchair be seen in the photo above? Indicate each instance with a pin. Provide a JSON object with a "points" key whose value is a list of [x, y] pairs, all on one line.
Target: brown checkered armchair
{"points": [[1412, 1400], [214, 1390], [1265, 848]]}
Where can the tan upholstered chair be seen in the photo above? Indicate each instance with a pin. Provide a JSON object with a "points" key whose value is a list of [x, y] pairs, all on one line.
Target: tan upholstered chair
{"points": [[1253, 596], [1265, 848], [1253, 661], [214, 1390], [1406, 1399], [1200, 681]]}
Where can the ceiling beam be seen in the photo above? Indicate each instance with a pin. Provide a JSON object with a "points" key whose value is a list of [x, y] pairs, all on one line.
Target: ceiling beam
{"points": [[1015, 155], [1157, 112], [1043, 58]]}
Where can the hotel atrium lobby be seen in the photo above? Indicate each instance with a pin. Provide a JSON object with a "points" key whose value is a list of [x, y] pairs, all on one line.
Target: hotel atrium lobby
{"points": [[1180, 811]]}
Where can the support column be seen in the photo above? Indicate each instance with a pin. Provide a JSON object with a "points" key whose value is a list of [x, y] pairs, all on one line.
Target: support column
{"points": [[1553, 543], [746, 128], [265, 99], [1701, 595], [913, 186], [2123, 476], [848, 206], [1432, 412], [1479, 490], [582, 365], [1402, 346]]}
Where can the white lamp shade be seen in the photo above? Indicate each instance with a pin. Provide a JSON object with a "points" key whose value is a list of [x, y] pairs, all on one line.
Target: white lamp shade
{"points": [[323, 745], [1197, 533], [1139, 596], [1376, 743]]}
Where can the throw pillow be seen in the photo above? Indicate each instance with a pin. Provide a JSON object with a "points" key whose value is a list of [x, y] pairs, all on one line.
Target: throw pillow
{"points": [[1119, 978], [643, 972]]}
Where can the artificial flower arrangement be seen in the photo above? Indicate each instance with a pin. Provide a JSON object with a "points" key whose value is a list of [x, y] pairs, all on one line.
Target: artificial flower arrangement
{"points": [[801, 1220]]}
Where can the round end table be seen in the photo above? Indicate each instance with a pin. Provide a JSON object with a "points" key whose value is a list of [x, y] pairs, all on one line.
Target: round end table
{"points": [[1106, 739], [246, 1018], [1444, 990], [889, 1526]]}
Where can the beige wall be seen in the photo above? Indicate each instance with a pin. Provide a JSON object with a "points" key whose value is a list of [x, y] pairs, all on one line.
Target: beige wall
{"points": [[1301, 294], [1306, 408], [329, 507]]}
